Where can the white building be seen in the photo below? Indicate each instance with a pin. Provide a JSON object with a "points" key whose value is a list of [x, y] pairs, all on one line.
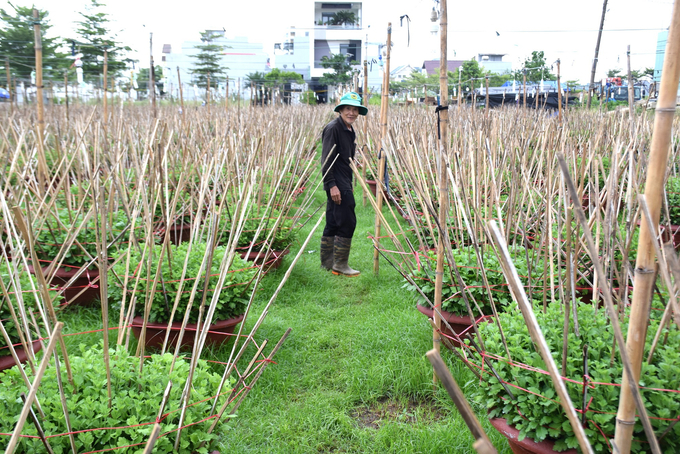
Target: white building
{"points": [[494, 63]]}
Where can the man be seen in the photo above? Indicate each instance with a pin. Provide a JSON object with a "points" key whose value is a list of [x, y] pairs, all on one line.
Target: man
{"points": [[338, 148]]}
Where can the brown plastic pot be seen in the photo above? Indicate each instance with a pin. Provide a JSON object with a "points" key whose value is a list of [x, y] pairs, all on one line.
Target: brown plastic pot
{"points": [[7, 361], [274, 261], [459, 324], [179, 233], [527, 445], [218, 333], [90, 292]]}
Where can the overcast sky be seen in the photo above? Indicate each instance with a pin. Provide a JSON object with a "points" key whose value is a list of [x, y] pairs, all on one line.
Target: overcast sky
{"points": [[564, 30]]}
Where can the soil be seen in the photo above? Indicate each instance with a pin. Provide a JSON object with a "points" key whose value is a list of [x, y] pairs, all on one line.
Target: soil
{"points": [[371, 417]]}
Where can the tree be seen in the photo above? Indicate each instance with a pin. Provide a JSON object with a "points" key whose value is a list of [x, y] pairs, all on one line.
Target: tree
{"points": [[535, 68], [17, 42], [208, 60], [94, 39], [342, 69], [277, 78], [256, 80], [470, 75], [614, 73], [143, 78]]}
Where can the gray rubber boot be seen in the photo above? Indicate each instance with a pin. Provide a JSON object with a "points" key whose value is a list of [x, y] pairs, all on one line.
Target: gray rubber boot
{"points": [[327, 244], [341, 256]]}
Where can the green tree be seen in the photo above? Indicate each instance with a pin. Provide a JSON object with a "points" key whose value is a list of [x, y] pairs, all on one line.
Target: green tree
{"points": [[208, 60], [614, 73], [535, 68], [342, 69], [256, 80], [282, 79], [17, 42], [470, 75], [94, 37], [143, 78], [496, 80]]}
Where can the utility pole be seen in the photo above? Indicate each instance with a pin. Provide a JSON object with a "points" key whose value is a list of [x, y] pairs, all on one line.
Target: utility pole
{"points": [[597, 51], [152, 82]]}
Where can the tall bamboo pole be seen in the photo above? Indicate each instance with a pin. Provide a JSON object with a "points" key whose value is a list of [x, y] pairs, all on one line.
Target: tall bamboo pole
{"points": [[559, 93], [226, 98], [381, 157], [486, 107], [443, 113], [524, 87], [38, 74], [181, 95], [106, 63], [631, 95], [597, 51], [152, 82], [9, 86], [365, 146], [645, 266], [66, 93]]}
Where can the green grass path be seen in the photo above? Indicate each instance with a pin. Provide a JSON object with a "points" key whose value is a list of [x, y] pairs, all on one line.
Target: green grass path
{"points": [[352, 376]]}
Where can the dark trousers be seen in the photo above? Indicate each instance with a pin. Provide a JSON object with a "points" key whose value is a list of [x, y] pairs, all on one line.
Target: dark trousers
{"points": [[340, 219]]}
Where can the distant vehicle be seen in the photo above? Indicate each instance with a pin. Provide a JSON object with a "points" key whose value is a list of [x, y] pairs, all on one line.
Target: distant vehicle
{"points": [[621, 93], [4, 94], [615, 81]]}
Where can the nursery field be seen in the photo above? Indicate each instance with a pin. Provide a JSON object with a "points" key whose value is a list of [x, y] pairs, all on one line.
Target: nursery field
{"points": [[166, 273]]}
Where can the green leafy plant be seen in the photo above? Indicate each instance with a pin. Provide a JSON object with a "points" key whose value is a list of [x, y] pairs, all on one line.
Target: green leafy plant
{"points": [[135, 402], [535, 411], [673, 197], [283, 237], [57, 230], [468, 267], [233, 296], [27, 285]]}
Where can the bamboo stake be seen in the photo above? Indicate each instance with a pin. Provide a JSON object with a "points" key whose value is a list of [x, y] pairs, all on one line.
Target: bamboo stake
{"points": [[644, 267], [383, 149], [462, 404], [365, 145], [181, 95], [14, 439], [106, 62]]}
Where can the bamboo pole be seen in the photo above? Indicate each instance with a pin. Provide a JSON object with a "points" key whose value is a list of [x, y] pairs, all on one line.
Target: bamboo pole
{"points": [[152, 81], [559, 94], [524, 87], [9, 86], [381, 154], [597, 51], [106, 62], [14, 439], [631, 94], [443, 124], [226, 98], [66, 94], [459, 400], [181, 95], [645, 266], [365, 146]]}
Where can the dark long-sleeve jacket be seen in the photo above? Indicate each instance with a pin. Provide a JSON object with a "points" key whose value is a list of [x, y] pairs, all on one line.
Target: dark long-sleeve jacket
{"points": [[336, 134]]}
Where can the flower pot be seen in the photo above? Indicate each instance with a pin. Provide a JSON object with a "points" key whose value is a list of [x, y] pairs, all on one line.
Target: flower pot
{"points": [[179, 233], [527, 445], [72, 294], [7, 361], [155, 332], [274, 261], [459, 324]]}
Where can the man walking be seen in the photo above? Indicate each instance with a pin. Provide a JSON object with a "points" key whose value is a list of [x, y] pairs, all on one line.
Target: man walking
{"points": [[338, 148]]}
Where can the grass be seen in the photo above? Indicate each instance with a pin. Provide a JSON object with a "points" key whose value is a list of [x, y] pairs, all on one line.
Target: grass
{"points": [[352, 377]]}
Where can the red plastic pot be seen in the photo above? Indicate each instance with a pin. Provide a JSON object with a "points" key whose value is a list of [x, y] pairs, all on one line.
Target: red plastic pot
{"points": [[8, 361], [459, 324], [218, 333], [527, 445], [90, 292]]}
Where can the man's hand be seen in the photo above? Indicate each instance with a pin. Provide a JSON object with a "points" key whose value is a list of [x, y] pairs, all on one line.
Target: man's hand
{"points": [[335, 195]]}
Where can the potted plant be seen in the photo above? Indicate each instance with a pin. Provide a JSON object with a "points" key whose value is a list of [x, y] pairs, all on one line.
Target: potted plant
{"points": [[533, 410], [280, 241], [26, 286], [231, 305], [49, 241], [453, 307], [129, 419]]}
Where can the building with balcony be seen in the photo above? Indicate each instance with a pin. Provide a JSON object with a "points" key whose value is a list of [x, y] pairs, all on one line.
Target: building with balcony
{"points": [[494, 63]]}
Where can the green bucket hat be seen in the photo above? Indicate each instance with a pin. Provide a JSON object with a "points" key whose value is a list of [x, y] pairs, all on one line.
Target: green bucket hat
{"points": [[351, 99]]}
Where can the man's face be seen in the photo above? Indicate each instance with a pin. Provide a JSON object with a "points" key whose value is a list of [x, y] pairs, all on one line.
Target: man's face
{"points": [[349, 114]]}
